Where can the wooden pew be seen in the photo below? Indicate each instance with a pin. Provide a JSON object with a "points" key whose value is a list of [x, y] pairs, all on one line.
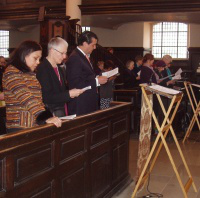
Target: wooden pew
{"points": [[133, 96], [2, 120], [87, 157]]}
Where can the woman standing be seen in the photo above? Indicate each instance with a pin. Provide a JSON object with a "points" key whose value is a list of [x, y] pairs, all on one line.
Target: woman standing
{"points": [[148, 75], [23, 98]]}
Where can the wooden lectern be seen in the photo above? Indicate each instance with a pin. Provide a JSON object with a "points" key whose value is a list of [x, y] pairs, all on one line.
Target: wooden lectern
{"points": [[195, 107], [163, 130]]}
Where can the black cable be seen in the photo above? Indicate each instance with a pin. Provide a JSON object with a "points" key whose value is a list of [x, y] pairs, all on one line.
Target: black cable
{"points": [[151, 194]]}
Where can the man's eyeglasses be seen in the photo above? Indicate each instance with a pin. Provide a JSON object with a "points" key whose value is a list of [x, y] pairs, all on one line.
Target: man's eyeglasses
{"points": [[62, 53]]}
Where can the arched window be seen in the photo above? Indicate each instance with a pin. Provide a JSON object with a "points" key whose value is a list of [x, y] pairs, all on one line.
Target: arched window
{"points": [[170, 38], [4, 43]]}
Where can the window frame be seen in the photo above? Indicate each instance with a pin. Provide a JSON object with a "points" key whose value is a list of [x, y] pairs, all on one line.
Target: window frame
{"points": [[152, 25], [8, 44]]}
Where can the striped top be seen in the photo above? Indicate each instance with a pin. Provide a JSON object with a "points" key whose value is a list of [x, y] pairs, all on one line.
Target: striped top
{"points": [[23, 98]]}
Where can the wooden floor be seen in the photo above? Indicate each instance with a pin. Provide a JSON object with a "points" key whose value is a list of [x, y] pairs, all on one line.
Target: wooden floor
{"points": [[163, 179]]}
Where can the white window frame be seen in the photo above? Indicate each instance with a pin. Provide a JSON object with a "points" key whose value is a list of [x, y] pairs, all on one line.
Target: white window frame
{"points": [[176, 46], [4, 46]]}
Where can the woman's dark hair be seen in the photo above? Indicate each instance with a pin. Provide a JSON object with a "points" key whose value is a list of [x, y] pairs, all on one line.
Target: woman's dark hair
{"points": [[109, 64], [86, 37], [148, 57], [138, 57], [17, 58]]}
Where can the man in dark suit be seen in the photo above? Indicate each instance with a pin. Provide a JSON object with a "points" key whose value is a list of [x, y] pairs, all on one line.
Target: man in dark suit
{"points": [[54, 92], [80, 74]]}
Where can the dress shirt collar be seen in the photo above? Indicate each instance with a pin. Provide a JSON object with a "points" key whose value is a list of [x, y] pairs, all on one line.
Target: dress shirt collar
{"points": [[88, 55]]}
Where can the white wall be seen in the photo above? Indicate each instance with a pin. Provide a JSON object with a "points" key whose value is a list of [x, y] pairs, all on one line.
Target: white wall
{"points": [[16, 37], [127, 35], [147, 35], [194, 35]]}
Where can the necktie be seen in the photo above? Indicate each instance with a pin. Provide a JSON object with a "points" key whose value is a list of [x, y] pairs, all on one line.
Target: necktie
{"points": [[89, 60]]}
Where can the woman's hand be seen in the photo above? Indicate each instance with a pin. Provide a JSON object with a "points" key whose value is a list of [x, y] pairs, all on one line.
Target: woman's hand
{"points": [[2, 96], [75, 92], [54, 120]]}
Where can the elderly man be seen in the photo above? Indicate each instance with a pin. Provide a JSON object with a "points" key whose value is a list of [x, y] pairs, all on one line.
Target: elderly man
{"points": [[80, 74], [54, 92]]}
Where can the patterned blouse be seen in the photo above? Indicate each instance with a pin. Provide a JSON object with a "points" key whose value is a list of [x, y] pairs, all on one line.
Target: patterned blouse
{"points": [[23, 98]]}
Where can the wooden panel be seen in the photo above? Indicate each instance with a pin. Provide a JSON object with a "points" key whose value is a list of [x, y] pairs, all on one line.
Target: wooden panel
{"points": [[45, 191], [120, 162], [89, 2], [2, 120], [33, 162], [1, 175], [73, 185], [128, 6], [76, 160], [100, 134], [76, 145], [100, 175], [119, 125]]}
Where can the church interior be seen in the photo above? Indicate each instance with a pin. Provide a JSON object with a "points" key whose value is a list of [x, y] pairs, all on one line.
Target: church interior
{"points": [[124, 151]]}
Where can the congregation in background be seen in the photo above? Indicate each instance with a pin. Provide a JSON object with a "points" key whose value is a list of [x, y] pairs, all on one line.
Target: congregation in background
{"points": [[37, 92]]}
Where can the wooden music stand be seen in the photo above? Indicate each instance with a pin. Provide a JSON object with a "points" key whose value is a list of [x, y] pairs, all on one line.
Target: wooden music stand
{"points": [[195, 108], [162, 133]]}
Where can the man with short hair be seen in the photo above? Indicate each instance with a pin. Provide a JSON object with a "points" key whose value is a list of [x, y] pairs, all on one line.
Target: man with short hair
{"points": [[54, 92], [80, 74]]}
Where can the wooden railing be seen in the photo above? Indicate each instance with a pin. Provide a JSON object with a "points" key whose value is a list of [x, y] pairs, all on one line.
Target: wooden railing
{"points": [[87, 157]]}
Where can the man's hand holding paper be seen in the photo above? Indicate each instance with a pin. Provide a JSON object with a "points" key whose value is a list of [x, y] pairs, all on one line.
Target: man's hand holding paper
{"points": [[111, 73]]}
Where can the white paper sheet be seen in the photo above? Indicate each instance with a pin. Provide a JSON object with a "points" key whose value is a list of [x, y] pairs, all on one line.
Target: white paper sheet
{"points": [[68, 117], [111, 73], [164, 89], [176, 77], [87, 88], [196, 85], [179, 72]]}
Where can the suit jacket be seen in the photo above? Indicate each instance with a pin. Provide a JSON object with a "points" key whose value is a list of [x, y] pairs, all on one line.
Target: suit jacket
{"points": [[129, 79], [80, 74], [54, 94]]}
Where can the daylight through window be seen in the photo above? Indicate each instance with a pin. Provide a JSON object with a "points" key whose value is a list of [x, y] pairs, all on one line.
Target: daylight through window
{"points": [[170, 38], [4, 43]]}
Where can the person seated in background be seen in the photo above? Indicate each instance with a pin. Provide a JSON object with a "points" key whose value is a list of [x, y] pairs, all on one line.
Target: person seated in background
{"points": [[138, 64], [100, 67], [130, 79], [54, 91], [148, 75], [23, 98], [106, 90], [167, 72]]}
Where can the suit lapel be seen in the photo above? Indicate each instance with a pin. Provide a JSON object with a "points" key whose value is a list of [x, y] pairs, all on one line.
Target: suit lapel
{"points": [[53, 75], [85, 60]]}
